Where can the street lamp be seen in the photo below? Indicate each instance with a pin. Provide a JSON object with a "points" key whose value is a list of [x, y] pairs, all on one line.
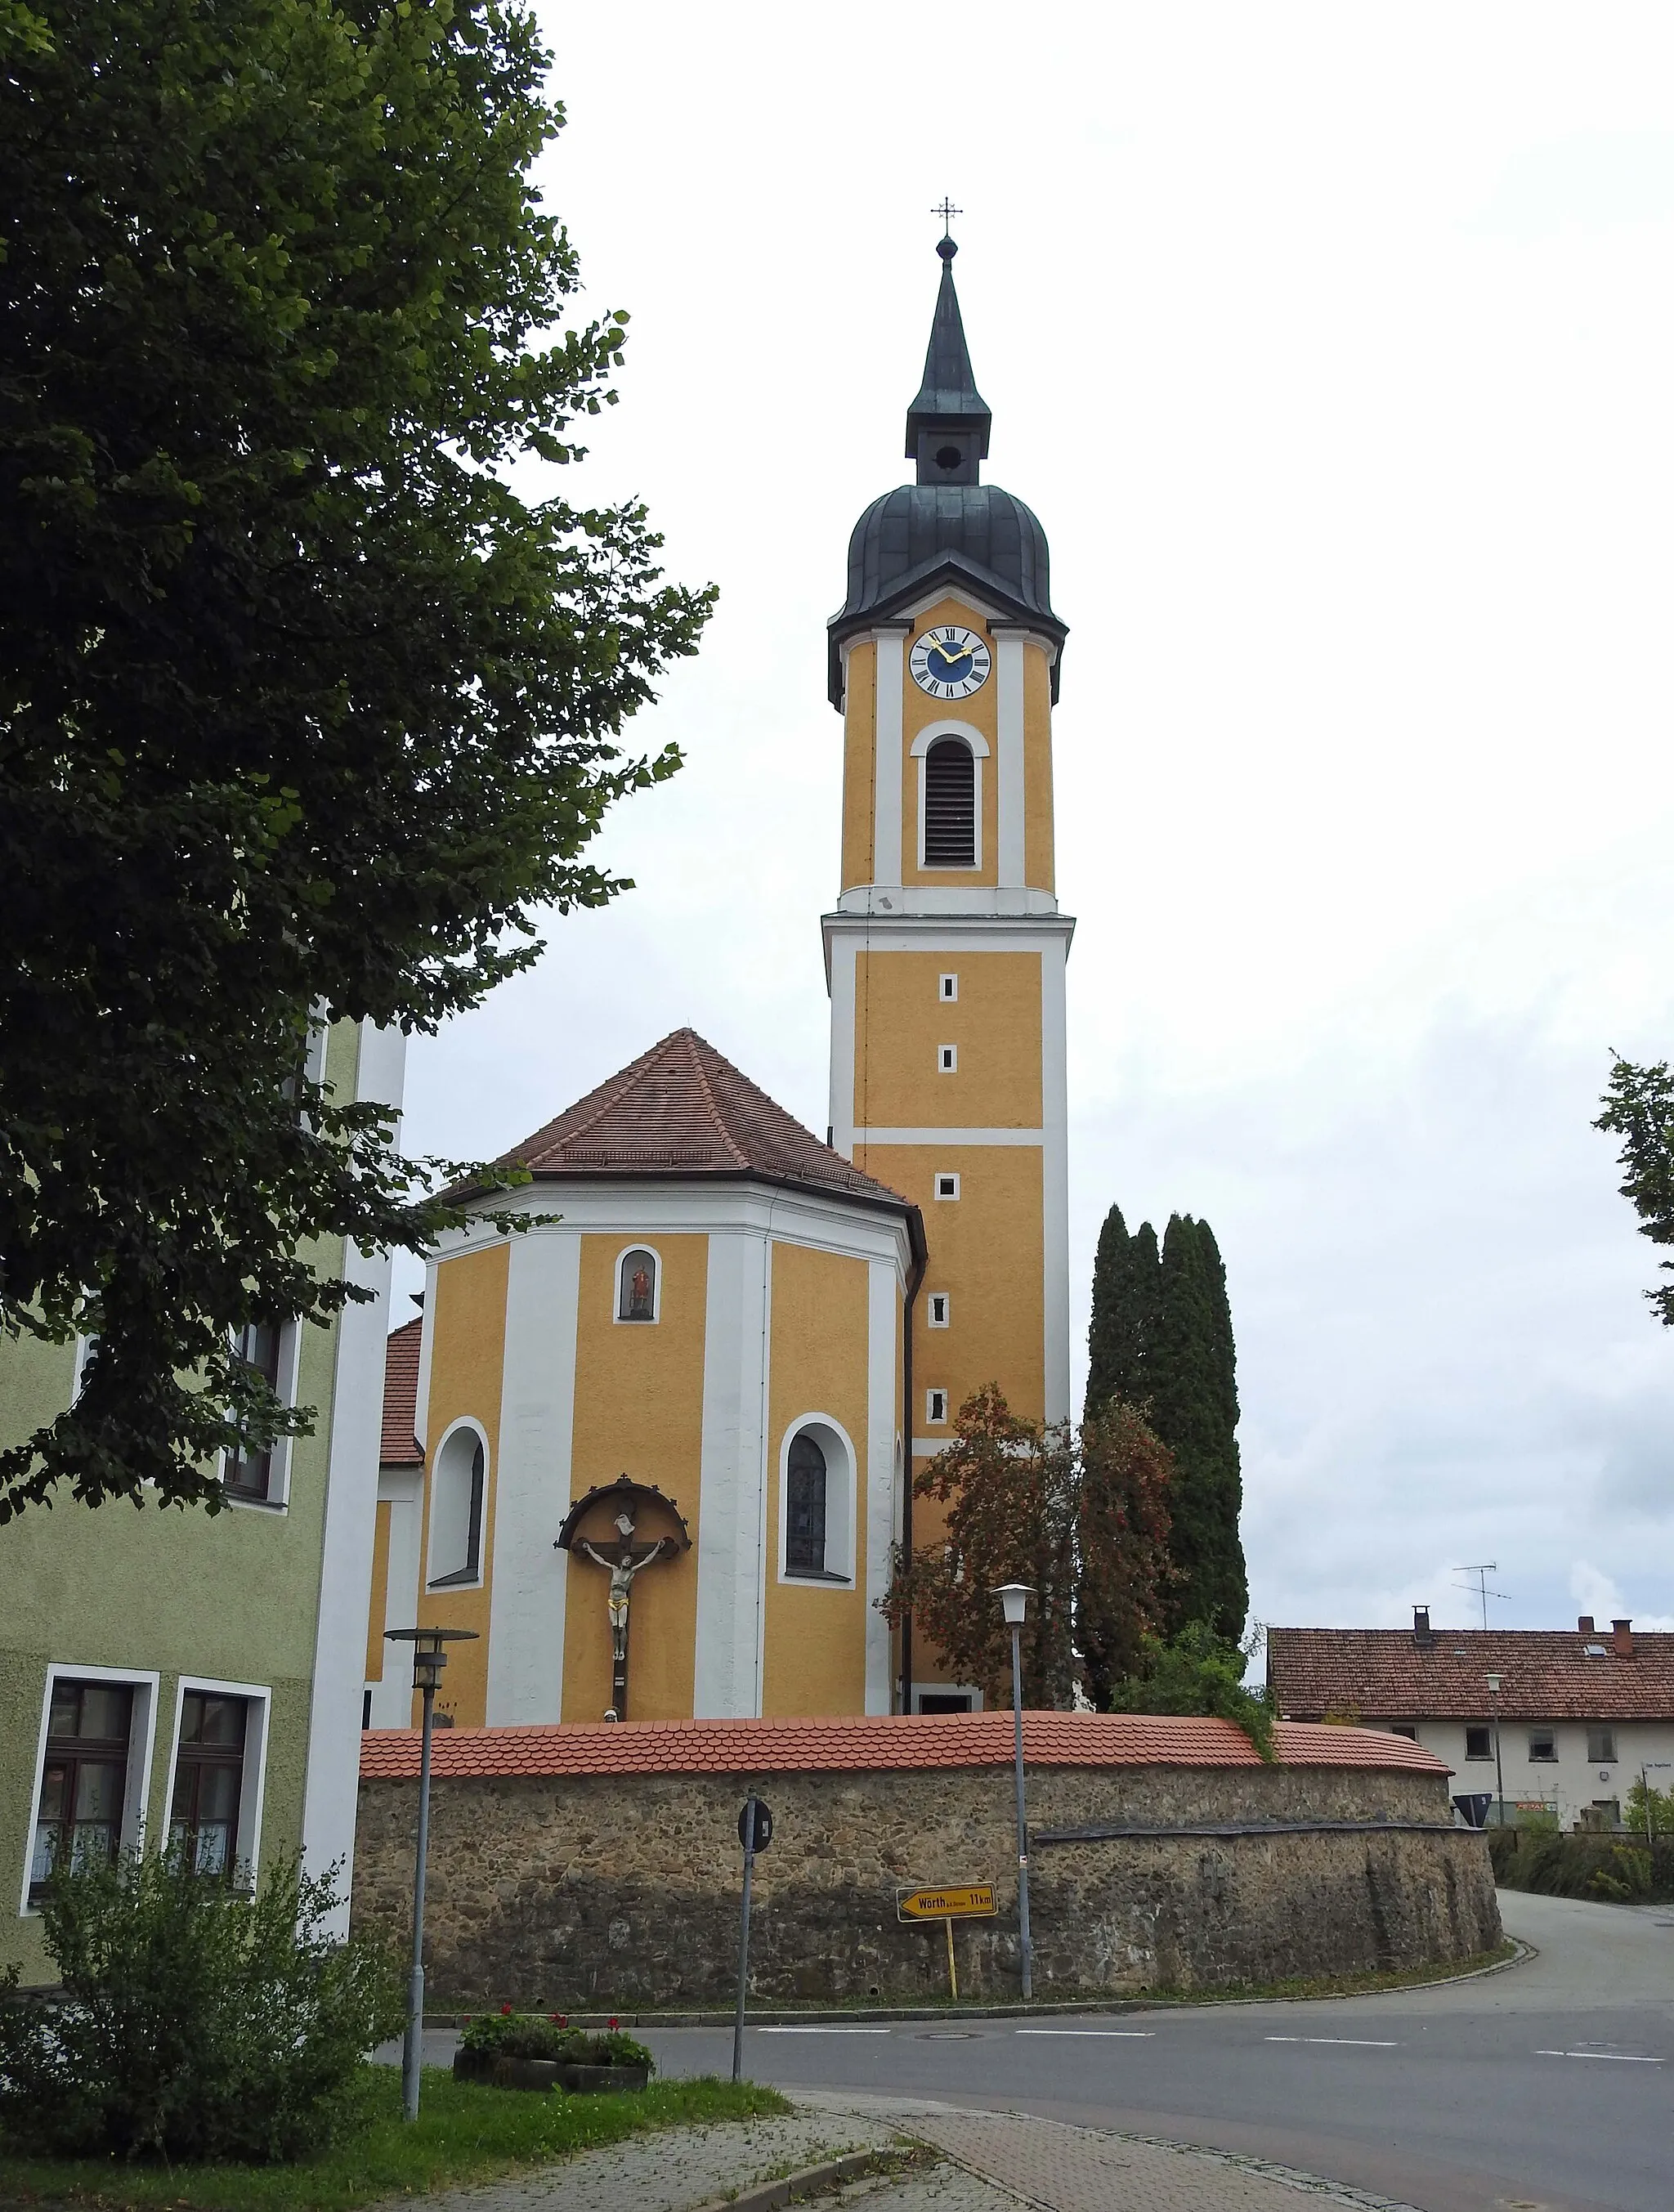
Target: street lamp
{"points": [[1499, 1771], [428, 1661], [1015, 1597]]}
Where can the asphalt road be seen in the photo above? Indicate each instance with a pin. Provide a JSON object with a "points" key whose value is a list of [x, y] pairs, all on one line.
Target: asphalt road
{"points": [[1549, 2085]]}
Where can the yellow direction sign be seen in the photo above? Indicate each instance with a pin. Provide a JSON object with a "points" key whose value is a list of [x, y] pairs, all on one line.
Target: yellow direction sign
{"points": [[968, 1900]]}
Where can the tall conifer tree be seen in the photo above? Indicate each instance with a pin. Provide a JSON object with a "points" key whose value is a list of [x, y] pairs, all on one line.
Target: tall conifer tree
{"points": [[1126, 1293], [1162, 1338]]}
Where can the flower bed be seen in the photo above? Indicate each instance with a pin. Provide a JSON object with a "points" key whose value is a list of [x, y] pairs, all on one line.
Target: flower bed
{"points": [[530, 2051]]}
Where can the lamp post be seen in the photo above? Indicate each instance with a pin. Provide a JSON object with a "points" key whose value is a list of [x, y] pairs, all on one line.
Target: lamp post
{"points": [[428, 1661], [1499, 1771], [1015, 1597]]}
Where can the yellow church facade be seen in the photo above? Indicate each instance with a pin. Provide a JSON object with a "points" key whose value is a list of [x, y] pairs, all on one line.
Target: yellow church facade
{"points": [[660, 1449]]}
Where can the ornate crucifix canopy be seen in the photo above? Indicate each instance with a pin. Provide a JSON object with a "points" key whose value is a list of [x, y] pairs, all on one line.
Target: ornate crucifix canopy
{"points": [[612, 1512]]}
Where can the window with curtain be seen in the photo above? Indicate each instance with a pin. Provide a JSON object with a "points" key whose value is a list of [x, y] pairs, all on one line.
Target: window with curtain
{"points": [[84, 1781], [804, 1508], [209, 1781], [949, 805]]}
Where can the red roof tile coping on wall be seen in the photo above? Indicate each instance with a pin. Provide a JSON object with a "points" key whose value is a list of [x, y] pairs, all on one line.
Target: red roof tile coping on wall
{"points": [[400, 1446], [682, 1110], [871, 1745], [1545, 1675]]}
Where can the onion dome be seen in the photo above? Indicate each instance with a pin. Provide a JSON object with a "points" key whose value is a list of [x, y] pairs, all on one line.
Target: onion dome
{"points": [[948, 526]]}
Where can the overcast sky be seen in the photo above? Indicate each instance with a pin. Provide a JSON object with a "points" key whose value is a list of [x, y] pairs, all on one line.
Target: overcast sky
{"points": [[1334, 347]]}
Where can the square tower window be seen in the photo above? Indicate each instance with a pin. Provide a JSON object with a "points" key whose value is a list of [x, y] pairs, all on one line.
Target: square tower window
{"points": [[940, 1308], [947, 1186], [947, 988], [947, 1058], [936, 1408]]}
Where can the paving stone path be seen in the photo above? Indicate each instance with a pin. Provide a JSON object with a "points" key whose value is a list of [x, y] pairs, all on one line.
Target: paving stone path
{"points": [[1056, 2167], [997, 2162]]}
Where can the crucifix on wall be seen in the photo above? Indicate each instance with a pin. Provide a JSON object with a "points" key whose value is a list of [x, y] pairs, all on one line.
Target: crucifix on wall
{"points": [[622, 1559]]}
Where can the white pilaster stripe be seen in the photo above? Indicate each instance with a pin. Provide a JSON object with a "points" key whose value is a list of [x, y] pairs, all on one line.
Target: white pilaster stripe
{"points": [[880, 1475], [1009, 706], [1055, 1179], [730, 1565], [887, 824], [948, 1137], [402, 1490], [841, 1112], [349, 1524], [531, 1485]]}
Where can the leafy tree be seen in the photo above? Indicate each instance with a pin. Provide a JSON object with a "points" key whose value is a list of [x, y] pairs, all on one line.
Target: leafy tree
{"points": [[1639, 1108], [1122, 1531], [1083, 1520], [1162, 1336], [201, 2023], [1643, 1799], [301, 705], [1197, 1672]]}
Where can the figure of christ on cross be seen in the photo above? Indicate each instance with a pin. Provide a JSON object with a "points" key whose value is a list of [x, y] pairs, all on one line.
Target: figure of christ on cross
{"points": [[630, 1560]]}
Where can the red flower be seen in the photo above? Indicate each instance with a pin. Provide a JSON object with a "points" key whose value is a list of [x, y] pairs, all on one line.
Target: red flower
{"points": [[615, 2024], [504, 2011]]}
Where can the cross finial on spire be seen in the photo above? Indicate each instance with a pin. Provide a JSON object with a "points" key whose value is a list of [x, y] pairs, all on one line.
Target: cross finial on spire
{"points": [[947, 211]]}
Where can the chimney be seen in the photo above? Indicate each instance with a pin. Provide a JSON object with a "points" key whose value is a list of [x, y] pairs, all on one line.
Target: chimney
{"points": [[1622, 1639], [1585, 1626], [1421, 1634]]}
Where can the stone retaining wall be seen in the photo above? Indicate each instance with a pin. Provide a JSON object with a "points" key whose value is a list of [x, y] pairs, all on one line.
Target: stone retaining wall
{"points": [[555, 1893]]}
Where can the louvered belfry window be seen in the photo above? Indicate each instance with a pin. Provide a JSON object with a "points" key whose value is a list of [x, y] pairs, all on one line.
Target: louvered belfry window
{"points": [[949, 805]]}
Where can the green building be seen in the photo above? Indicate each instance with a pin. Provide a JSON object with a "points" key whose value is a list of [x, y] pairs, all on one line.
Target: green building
{"points": [[197, 1677]]}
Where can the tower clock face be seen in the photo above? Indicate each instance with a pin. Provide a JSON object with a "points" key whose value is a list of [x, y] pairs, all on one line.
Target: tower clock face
{"points": [[949, 663]]}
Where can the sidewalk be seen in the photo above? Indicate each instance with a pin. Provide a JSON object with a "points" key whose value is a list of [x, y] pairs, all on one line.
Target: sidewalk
{"points": [[995, 2162]]}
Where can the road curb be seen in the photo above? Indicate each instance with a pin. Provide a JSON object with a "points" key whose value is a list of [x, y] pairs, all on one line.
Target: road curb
{"points": [[769, 2196]]}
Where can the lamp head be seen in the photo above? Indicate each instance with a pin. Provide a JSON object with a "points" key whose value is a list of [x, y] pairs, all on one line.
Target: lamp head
{"points": [[428, 1656], [1493, 1686], [1015, 1597]]}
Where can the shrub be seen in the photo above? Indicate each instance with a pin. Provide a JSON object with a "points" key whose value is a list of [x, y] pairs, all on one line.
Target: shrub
{"points": [[1197, 1672], [197, 2021], [510, 2035], [1590, 1865]]}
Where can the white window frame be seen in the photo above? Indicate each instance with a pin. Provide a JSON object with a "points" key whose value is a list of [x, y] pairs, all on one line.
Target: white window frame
{"points": [[433, 1472], [639, 1244], [942, 1176], [278, 1497], [841, 1464], [252, 1780], [976, 744], [141, 1742], [947, 989], [943, 1318], [947, 1060], [78, 1374], [933, 1400]]}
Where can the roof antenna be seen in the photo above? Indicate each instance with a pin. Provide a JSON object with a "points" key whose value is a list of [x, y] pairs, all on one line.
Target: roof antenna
{"points": [[1488, 1567]]}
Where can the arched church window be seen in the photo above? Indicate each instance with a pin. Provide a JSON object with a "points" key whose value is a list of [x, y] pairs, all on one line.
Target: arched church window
{"points": [[456, 1509], [949, 805], [804, 1508], [636, 1295]]}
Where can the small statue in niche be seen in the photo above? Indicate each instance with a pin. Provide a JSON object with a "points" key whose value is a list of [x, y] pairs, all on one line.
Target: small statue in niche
{"points": [[638, 1287]]}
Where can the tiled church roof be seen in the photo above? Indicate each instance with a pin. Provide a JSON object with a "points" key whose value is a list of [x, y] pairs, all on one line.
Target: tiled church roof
{"points": [[401, 1447], [1545, 1675], [682, 1110], [871, 1745]]}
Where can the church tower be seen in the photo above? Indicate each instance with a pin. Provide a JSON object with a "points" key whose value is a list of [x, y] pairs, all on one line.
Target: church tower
{"points": [[945, 954]]}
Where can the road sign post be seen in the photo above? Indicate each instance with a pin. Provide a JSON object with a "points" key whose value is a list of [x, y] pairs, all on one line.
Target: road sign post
{"points": [[755, 1832], [972, 1901]]}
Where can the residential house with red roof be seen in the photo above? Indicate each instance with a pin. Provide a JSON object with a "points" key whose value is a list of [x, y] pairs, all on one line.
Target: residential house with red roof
{"points": [[1554, 1721]]}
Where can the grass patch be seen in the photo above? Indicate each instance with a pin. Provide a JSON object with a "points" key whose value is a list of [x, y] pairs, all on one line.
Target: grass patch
{"points": [[465, 2133]]}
